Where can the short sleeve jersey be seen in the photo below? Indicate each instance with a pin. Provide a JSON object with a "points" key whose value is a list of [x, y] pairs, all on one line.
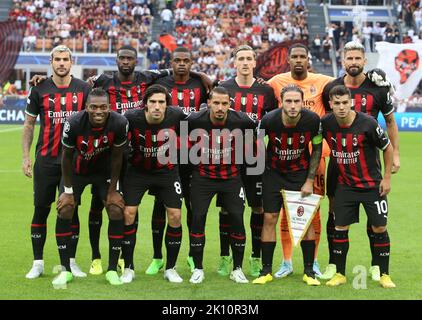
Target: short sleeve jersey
{"points": [[187, 95], [367, 98], [287, 148], [255, 100], [150, 142], [54, 104], [128, 95], [354, 149], [93, 145], [312, 88], [216, 144]]}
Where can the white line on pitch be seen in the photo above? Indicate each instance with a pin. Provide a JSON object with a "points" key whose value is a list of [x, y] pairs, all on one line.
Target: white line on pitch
{"points": [[11, 129]]}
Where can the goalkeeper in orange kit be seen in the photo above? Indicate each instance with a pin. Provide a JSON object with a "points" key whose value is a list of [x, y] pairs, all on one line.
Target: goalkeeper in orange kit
{"points": [[312, 85]]}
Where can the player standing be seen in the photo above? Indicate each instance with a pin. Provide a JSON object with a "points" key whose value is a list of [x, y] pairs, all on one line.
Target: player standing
{"points": [[354, 139], [312, 85], [254, 99], [154, 132], [216, 172], [188, 93], [289, 166], [369, 98], [54, 101], [93, 143]]}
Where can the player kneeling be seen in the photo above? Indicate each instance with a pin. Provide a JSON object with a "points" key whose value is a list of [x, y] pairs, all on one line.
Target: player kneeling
{"points": [[93, 142]]}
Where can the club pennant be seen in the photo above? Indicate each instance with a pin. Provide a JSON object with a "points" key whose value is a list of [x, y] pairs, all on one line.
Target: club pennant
{"points": [[299, 212]]}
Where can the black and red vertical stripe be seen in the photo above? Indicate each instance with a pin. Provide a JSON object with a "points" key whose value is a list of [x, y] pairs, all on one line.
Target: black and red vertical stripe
{"points": [[53, 126]]}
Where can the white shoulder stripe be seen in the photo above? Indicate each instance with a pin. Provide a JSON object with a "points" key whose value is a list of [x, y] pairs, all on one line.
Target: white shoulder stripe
{"points": [[66, 145], [119, 145], [385, 147], [30, 114], [386, 114]]}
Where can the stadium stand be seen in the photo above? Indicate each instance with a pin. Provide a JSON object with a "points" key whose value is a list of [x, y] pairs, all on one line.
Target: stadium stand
{"points": [[209, 28], [84, 25], [212, 28]]}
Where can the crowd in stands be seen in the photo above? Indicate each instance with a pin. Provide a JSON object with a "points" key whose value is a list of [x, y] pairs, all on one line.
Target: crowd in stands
{"points": [[211, 29], [410, 15], [91, 25]]}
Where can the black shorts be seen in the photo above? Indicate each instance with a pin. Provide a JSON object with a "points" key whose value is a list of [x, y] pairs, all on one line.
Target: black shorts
{"points": [[272, 184], [332, 178], [166, 186], [47, 176], [100, 183], [230, 192], [348, 199], [185, 173], [253, 190], [121, 178]]}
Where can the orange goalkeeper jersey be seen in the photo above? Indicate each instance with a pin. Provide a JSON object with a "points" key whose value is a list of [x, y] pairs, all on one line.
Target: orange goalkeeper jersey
{"points": [[312, 88]]}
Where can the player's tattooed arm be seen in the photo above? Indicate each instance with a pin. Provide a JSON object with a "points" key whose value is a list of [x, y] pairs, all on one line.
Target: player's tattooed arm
{"points": [[307, 188], [393, 134], [314, 161], [66, 198], [385, 185], [27, 138]]}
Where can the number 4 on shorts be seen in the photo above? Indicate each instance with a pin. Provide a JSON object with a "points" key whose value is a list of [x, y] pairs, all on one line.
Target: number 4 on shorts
{"points": [[242, 194]]}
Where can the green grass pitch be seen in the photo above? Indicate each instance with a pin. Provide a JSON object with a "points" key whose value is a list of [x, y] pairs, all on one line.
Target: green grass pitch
{"points": [[16, 209]]}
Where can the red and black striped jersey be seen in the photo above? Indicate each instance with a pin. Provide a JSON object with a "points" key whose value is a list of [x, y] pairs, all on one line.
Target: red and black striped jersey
{"points": [[93, 145], [54, 105], [149, 142], [215, 146], [255, 100], [187, 95], [128, 95], [367, 98], [354, 149], [288, 147]]}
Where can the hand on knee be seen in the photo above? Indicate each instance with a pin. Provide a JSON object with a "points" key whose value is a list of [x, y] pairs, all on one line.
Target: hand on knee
{"points": [[66, 206], [114, 212], [115, 199], [66, 212]]}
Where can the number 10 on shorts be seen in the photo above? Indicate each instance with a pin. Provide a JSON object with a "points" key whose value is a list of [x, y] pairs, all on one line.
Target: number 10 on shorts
{"points": [[382, 206]]}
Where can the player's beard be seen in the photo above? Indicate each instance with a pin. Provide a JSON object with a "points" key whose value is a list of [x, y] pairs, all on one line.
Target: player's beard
{"points": [[355, 71], [127, 72], [298, 74], [61, 75], [290, 117]]}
